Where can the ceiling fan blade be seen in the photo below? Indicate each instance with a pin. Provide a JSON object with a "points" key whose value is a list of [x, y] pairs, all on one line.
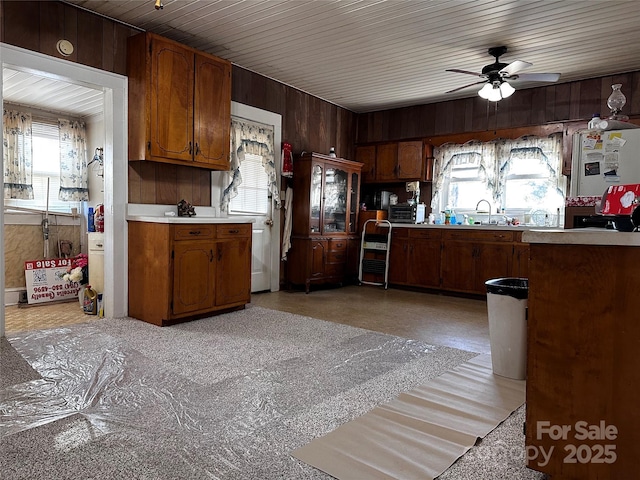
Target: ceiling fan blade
{"points": [[536, 77], [470, 85], [465, 71], [514, 67]]}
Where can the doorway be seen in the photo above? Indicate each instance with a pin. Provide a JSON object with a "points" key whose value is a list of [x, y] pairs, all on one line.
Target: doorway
{"points": [[114, 88]]}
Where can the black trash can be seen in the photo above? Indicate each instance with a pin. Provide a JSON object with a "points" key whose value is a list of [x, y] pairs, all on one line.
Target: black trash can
{"points": [[507, 310]]}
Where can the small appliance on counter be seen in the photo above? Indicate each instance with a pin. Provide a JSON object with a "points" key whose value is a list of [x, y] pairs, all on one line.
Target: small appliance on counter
{"points": [[621, 203], [407, 213], [381, 200]]}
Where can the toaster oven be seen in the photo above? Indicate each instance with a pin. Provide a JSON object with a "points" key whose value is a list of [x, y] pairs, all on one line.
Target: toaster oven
{"points": [[405, 213]]}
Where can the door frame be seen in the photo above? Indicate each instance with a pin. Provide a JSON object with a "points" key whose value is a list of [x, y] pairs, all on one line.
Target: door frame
{"points": [[115, 88], [220, 179]]}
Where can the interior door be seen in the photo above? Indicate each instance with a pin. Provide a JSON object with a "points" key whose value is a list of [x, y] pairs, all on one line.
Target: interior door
{"points": [[254, 202]]}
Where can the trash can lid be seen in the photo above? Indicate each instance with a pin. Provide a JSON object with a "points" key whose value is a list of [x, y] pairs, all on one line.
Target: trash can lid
{"points": [[513, 287]]}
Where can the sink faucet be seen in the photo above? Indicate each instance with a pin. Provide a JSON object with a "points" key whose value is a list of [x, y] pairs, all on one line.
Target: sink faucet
{"points": [[487, 202]]}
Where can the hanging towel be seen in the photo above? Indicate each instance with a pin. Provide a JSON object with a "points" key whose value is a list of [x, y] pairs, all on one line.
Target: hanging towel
{"points": [[286, 234]]}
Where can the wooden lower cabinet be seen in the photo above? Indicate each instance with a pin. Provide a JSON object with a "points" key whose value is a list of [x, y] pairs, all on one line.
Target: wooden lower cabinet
{"points": [[181, 271], [470, 258], [456, 260], [414, 258], [321, 260]]}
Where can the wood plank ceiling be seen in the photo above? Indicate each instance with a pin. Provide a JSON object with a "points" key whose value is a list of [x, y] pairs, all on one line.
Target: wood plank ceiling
{"points": [[368, 55]]}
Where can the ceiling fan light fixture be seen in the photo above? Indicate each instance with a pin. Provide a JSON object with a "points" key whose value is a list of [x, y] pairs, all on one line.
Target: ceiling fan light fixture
{"points": [[485, 91], [506, 89]]}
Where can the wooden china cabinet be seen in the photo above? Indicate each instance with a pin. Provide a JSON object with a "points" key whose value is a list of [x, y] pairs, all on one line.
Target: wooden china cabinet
{"points": [[324, 240]]}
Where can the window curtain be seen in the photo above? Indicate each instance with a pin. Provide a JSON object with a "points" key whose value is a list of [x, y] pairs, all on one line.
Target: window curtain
{"points": [[73, 161], [256, 139], [444, 159], [17, 155], [543, 149]]}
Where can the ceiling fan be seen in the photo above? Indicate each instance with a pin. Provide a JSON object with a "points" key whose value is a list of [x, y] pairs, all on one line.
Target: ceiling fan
{"points": [[495, 76]]}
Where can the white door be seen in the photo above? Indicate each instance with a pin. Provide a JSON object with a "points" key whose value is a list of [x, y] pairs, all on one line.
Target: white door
{"points": [[253, 201]]}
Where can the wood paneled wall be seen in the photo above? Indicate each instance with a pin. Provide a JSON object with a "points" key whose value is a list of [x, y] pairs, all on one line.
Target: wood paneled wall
{"points": [[572, 102], [308, 123]]}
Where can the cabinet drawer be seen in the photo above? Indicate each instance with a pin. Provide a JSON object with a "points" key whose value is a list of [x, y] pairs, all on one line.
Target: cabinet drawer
{"points": [[96, 241], [425, 233], [488, 236], [337, 257], [194, 231], [234, 230], [399, 233], [337, 245]]}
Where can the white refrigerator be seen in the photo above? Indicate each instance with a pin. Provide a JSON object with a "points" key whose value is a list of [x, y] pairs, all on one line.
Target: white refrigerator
{"points": [[604, 158]]}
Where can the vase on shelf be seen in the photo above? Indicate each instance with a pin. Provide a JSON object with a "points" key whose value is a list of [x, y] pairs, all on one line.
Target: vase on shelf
{"points": [[616, 101]]}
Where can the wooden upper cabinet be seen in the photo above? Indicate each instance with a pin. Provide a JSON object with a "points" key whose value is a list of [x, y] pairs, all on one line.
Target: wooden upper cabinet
{"points": [[410, 164], [367, 156], [171, 124], [392, 162], [212, 111], [179, 104], [387, 162]]}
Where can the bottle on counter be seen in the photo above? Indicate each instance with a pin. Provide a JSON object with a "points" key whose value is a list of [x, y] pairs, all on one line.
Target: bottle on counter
{"points": [[594, 123], [91, 227]]}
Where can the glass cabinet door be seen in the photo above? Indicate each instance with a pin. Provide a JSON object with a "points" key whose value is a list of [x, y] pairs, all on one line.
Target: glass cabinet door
{"points": [[316, 197], [335, 200], [353, 202]]}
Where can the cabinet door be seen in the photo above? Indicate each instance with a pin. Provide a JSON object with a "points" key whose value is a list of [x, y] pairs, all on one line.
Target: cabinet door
{"points": [[386, 162], [334, 215], [317, 256], [171, 122], [424, 263], [367, 156], [493, 260], [354, 202], [458, 260], [410, 161], [193, 276], [233, 276], [398, 258], [212, 110], [315, 197]]}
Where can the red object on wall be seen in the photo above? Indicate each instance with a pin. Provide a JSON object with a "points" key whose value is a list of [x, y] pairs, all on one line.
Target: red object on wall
{"points": [[287, 160]]}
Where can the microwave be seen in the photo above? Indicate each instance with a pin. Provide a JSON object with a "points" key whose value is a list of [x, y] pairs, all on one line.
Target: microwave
{"points": [[405, 213]]}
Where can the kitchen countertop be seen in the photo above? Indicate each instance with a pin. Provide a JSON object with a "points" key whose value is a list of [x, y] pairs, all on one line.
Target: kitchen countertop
{"points": [[196, 219], [536, 234], [583, 236]]}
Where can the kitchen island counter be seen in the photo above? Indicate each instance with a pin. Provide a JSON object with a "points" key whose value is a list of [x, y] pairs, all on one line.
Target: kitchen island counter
{"points": [[582, 361]]}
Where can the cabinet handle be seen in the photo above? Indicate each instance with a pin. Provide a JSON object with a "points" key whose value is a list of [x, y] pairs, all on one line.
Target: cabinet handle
{"points": [[234, 231], [211, 255], [197, 149], [219, 253], [194, 232], [190, 149], [99, 245]]}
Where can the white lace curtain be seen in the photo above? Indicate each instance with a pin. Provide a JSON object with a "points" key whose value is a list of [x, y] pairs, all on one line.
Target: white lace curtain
{"points": [[73, 161], [494, 161], [18, 155], [256, 139]]}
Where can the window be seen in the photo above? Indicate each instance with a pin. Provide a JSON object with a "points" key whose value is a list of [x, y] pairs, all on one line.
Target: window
{"points": [[46, 167], [466, 184], [529, 186], [253, 192]]}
